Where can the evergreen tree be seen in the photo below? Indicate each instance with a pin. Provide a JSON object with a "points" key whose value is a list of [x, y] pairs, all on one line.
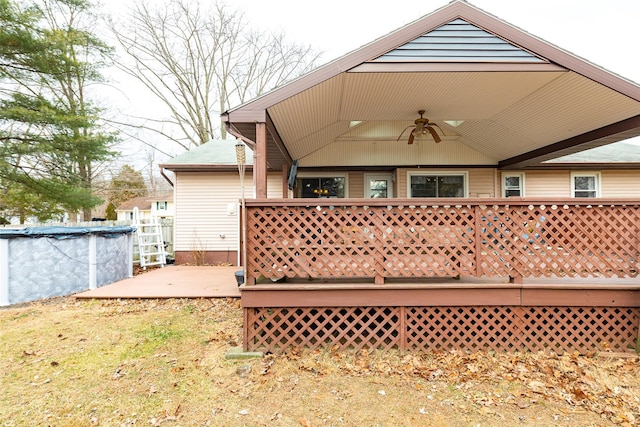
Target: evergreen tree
{"points": [[110, 212], [50, 130], [126, 185]]}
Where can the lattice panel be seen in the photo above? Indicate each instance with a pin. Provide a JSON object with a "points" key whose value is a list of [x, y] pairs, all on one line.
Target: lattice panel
{"points": [[443, 241], [522, 328], [358, 241], [468, 328], [559, 241], [429, 241], [444, 328], [580, 328], [273, 329], [307, 242]]}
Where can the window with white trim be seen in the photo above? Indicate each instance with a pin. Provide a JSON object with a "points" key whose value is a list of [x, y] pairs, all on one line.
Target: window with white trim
{"points": [[585, 184], [161, 206], [513, 185], [321, 186], [437, 184]]}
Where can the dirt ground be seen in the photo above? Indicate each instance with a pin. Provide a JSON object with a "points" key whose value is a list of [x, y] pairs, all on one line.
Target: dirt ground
{"points": [[67, 362]]}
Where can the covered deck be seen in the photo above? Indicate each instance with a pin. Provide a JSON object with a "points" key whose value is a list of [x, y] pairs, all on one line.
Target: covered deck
{"points": [[475, 272], [516, 274]]}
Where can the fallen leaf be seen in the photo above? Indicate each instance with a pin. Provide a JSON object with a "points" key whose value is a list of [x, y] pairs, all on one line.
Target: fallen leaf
{"points": [[579, 394], [304, 422]]}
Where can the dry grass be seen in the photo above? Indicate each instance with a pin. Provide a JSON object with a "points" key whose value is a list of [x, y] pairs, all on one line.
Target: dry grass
{"points": [[161, 362]]}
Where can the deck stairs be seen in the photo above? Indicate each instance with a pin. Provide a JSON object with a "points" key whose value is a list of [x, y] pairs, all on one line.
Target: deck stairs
{"points": [[151, 247]]}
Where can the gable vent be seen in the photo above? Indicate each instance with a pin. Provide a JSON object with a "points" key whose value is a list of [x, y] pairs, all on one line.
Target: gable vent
{"points": [[458, 41]]}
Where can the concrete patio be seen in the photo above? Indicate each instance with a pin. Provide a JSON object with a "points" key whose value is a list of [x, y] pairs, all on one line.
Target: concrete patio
{"points": [[175, 281]]}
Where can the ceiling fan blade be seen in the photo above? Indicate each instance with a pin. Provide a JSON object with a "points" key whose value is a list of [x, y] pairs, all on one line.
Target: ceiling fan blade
{"points": [[411, 136], [435, 125], [403, 131], [434, 134]]}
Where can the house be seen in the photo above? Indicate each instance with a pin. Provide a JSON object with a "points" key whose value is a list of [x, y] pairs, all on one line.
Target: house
{"points": [[159, 206], [426, 212], [208, 197]]}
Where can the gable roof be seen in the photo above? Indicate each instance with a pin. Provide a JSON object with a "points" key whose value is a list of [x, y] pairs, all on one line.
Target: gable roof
{"points": [[144, 203], [620, 154], [219, 154], [520, 99]]}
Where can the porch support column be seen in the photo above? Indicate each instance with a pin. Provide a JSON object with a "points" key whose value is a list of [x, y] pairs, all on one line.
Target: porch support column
{"points": [[260, 161], [285, 183]]}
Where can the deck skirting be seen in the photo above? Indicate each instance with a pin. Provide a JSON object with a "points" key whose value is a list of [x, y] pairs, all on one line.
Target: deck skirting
{"points": [[442, 317]]}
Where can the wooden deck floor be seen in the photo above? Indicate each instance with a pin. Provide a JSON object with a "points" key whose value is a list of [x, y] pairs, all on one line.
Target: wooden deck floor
{"points": [[174, 281]]}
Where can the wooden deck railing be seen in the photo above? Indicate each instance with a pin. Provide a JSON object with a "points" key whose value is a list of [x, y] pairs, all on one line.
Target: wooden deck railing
{"points": [[409, 238]]}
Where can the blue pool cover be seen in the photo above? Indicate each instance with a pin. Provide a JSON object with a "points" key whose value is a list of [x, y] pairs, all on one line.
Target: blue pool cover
{"points": [[65, 232]]}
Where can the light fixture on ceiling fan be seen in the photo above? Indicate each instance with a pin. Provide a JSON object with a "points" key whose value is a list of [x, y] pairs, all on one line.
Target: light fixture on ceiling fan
{"points": [[420, 129]]}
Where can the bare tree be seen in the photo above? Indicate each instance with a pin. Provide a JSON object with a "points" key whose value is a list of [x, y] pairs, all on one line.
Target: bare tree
{"points": [[198, 60]]}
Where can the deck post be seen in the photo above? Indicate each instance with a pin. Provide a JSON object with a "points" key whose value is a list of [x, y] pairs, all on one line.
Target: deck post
{"points": [[285, 183], [260, 161], [245, 329]]}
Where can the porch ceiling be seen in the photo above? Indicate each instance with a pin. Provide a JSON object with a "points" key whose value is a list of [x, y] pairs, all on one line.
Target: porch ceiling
{"points": [[503, 114]]}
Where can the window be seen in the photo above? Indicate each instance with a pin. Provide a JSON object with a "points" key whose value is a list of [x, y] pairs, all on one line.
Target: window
{"points": [[313, 187], [378, 186], [585, 185], [437, 185], [161, 206], [513, 185]]}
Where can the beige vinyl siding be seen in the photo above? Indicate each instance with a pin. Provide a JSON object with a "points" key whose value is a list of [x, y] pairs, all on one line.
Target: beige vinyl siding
{"points": [[207, 209], [613, 183], [482, 183], [356, 184], [275, 185], [556, 183], [401, 182], [620, 183], [547, 184]]}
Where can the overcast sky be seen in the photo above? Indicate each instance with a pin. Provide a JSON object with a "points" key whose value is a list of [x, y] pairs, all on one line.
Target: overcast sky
{"points": [[603, 32]]}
